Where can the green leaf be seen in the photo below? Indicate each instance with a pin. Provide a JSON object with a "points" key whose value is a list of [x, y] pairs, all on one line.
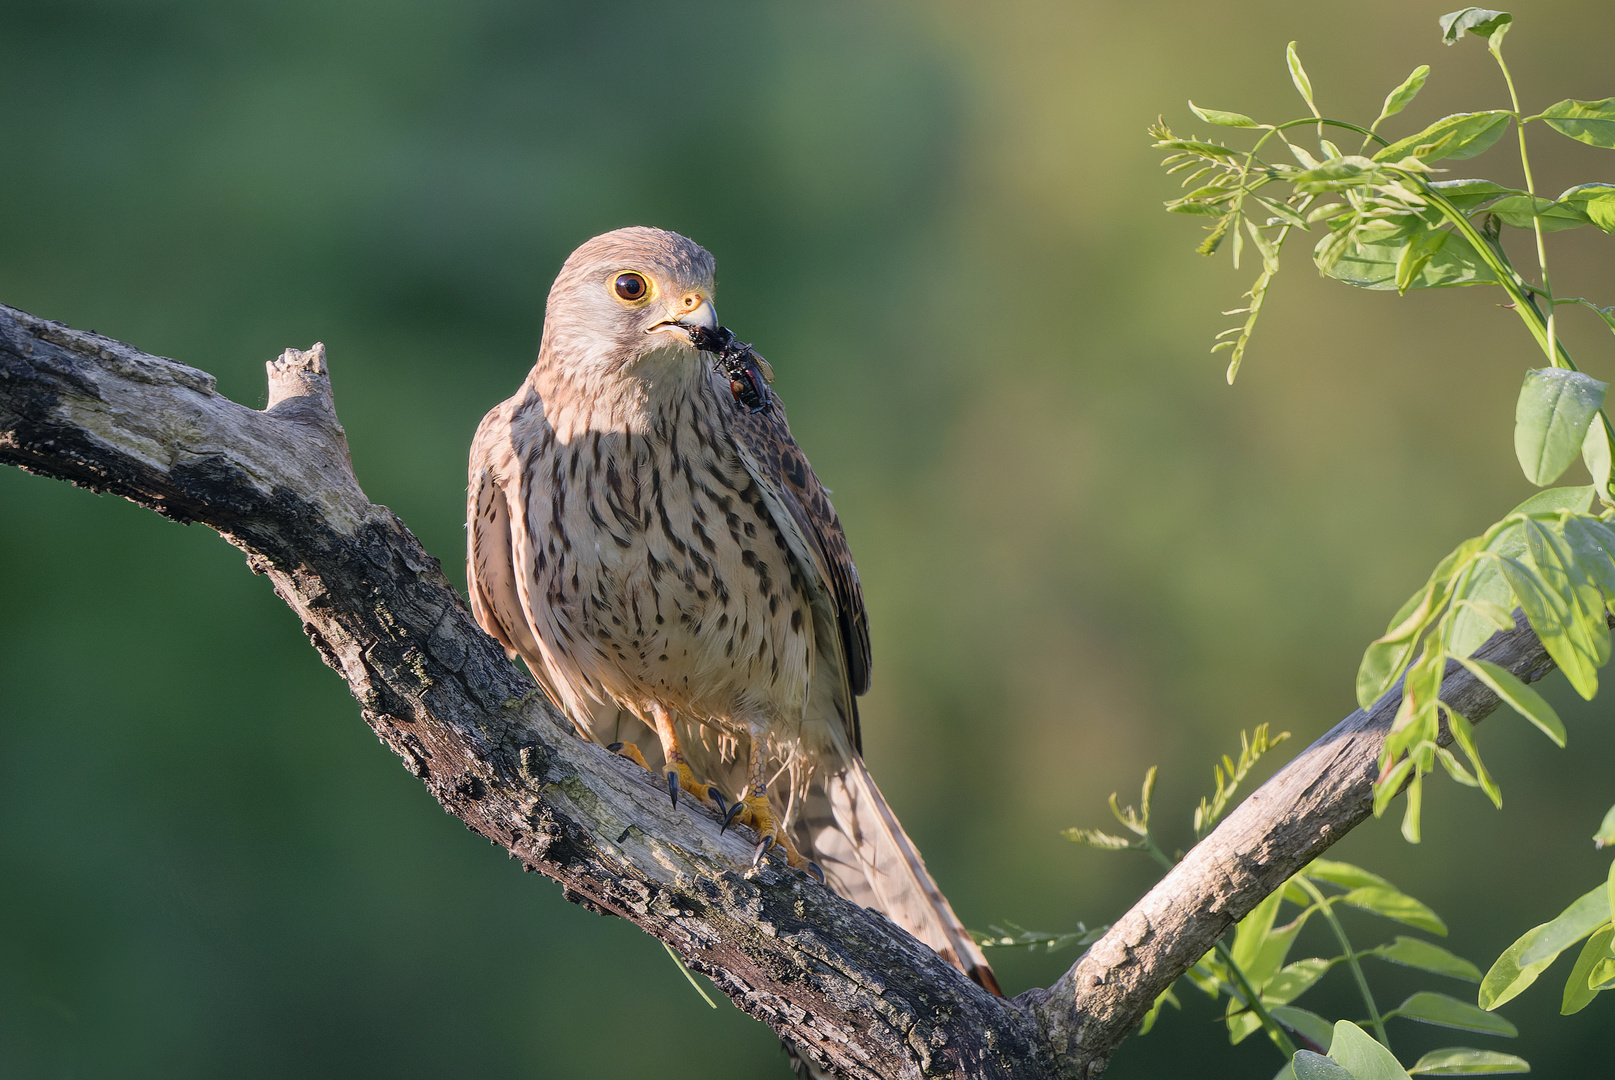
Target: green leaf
{"points": [[1455, 768], [1470, 194], [1524, 700], [1337, 174], [1591, 122], [1578, 600], [1410, 815], [1387, 656], [1462, 1061], [1414, 953], [1508, 978], [1398, 99], [1253, 928], [1311, 1066], [1373, 266], [1095, 839], [1345, 875], [1577, 500], [1578, 989], [1295, 979], [1167, 998], [1198, 148], [1420, 248], [1431, 1008], [1593, 542], [1221, 118], [1396, 905], [1606, 832], [1595, 455], [1549, 617], [1483, 598], [1524, 211], [1364, 1058], [1259, 949], [1575, 922], [1206, 975], [1478, 21], [1452, 138], [1308, 1025], [1486, 593], [1610, 887], [1463, 733], [1298, 75], [1556, 406], [1597, 201]]}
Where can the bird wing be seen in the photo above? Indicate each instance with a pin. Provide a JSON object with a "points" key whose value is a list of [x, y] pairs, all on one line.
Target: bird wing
{"points": [[782, 470], [844, 821], [492, 547]]}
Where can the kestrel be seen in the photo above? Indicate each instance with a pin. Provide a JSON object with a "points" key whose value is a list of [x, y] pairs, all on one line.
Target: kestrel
{"points": [[647, 536]]}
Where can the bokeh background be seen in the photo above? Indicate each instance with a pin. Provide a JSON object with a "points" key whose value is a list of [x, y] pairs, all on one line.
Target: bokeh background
{"points": [[1083, 553]]}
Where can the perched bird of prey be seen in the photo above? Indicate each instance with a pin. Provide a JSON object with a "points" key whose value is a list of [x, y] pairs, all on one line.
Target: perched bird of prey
{"points": [[651, 541]]}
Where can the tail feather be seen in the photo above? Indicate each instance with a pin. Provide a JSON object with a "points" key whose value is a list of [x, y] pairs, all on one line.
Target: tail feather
{"points": [[868, 858]]}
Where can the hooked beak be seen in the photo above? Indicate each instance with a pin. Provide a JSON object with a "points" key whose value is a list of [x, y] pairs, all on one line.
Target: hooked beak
{"points": [[703, 316]]}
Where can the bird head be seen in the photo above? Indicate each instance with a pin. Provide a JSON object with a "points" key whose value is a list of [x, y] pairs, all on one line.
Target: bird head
{"points": [[629, 299]]}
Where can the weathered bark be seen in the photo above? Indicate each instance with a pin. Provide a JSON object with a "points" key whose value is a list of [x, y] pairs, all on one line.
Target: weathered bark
{"points": [[853, 990]]}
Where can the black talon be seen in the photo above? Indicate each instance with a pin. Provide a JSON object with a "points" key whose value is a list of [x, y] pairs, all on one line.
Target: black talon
{"points": [[816, 870], [614, 747], [630, 829], [673, 788], [762, 849], [717, 796], [729, 817]]}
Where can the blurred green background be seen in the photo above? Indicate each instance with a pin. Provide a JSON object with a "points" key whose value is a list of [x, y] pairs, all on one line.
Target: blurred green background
{"points": [[1083, 553]]}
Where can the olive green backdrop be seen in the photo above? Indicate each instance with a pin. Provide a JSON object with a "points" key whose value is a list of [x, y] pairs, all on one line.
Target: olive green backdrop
{"points": [[1083, 553]]}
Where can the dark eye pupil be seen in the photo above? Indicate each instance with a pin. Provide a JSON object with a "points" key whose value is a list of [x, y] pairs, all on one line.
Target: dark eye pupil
{"points": [[630, 286]]}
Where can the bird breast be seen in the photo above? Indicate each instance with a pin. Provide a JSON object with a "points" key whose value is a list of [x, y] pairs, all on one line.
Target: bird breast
{"points": [[657, 573]]}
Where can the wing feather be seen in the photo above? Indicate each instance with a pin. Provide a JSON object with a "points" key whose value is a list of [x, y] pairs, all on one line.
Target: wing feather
{"points": [[782, 470]]}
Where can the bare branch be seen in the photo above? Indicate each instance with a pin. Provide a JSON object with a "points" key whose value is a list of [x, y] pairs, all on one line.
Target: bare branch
{"points": [[1316, 799], [855, 992]]}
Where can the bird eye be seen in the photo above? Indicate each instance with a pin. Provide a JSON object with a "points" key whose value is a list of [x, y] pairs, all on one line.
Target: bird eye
{"points": [[630, 286]]}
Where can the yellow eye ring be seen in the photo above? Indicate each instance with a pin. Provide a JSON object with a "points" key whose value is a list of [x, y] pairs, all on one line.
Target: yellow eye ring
{"points": [[630, 286]]}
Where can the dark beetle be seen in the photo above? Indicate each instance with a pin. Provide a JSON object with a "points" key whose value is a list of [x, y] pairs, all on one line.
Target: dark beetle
{"points": [[737, 360]]}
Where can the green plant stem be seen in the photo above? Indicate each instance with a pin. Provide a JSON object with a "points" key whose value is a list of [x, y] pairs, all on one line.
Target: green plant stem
{"points": [[1276, 128], [1536, 222], [1524, 305], [1324, 905], [689, 975], [1274, 1029]]}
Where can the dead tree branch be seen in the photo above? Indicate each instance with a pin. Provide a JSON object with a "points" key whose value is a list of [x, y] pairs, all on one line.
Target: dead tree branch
{"points": [[843, 983]]}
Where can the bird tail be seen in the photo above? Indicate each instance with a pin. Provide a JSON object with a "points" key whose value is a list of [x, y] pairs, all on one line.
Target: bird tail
{"points": [[852, 834]]}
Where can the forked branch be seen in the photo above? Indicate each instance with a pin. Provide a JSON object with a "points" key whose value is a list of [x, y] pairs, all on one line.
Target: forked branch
{"points": [[843, 983]]}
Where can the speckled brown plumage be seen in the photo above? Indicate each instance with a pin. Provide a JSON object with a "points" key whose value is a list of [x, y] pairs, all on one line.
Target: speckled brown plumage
{"points": [[673, 573]]}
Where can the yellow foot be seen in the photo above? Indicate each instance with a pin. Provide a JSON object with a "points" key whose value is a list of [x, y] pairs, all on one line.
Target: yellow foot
{"points": [[679, 775], [756, 811], [707, 793], [631, 752]]}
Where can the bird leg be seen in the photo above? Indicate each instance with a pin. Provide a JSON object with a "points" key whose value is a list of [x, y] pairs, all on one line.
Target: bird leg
{"points": [[755, 809], [679, 773]]}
